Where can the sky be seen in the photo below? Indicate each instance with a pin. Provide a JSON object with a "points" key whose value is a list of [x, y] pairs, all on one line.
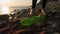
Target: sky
{"points": [[16, 2]]}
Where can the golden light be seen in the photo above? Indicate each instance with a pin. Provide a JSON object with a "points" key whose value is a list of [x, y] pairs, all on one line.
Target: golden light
{"points": [[5, 1], [5, 10]]}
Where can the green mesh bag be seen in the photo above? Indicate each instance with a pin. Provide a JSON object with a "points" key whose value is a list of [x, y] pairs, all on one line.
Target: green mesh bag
{"points": [[32, 20]]}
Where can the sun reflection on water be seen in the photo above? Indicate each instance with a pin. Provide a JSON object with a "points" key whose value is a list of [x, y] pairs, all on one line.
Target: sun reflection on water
{"points": [[5, 10]]}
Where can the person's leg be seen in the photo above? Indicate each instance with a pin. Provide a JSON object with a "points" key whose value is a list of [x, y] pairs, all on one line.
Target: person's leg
{"points": [[33, 3], [33, 6], [44, 3]]}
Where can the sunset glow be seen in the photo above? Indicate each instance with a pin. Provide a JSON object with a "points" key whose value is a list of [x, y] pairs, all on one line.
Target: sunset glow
{"points": [[5, 1], [16, 2], [5, 10], [5, 4]]}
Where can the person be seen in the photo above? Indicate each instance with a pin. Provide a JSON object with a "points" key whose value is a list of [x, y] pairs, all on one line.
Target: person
{"points": [[34, 5]]}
